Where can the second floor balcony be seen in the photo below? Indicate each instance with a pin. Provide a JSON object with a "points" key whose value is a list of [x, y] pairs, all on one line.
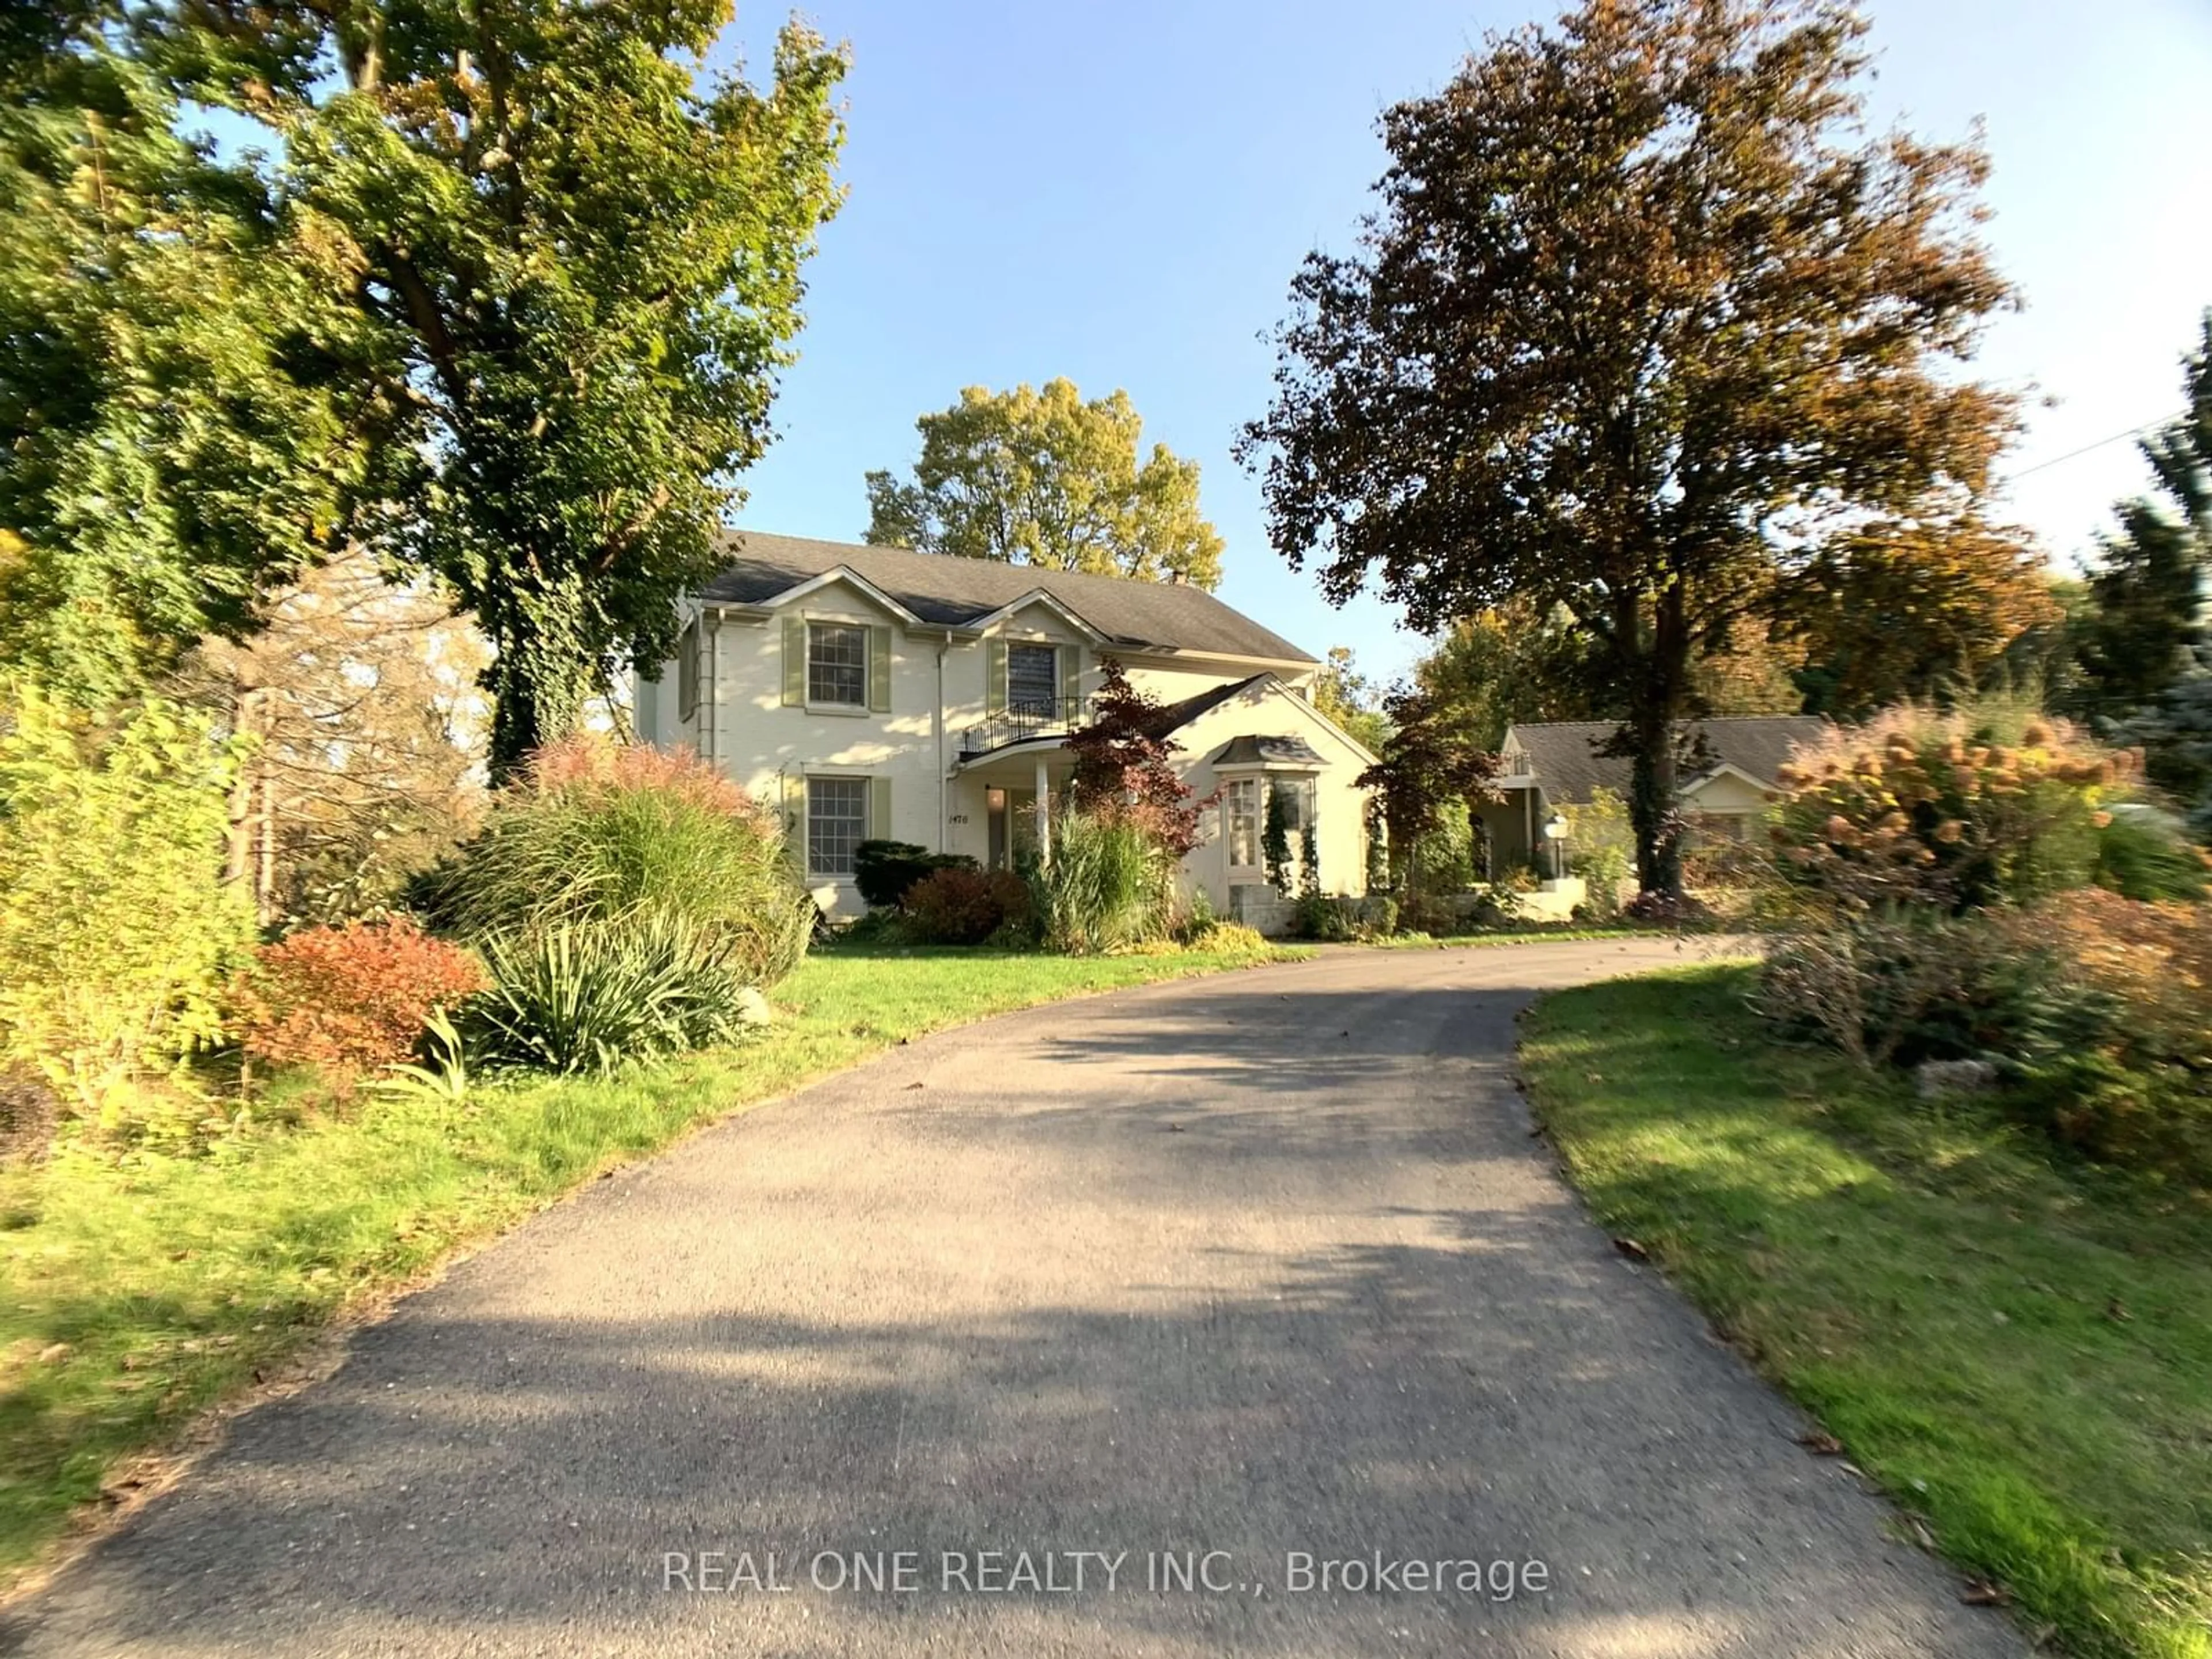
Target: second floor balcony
{"points": [[1024, 718]]}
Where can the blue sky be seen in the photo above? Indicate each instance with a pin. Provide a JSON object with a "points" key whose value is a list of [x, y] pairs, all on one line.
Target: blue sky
{"points": [[1120, 194]]}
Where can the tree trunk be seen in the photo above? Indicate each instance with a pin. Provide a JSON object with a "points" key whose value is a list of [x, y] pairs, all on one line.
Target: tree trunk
{"points": [[265, 878], [238, 864], [1651, 805], [1658, 700], [540, 678]]}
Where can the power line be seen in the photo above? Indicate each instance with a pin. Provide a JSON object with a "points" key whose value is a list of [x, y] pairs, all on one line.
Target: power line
{"points": [[2132, 432]]}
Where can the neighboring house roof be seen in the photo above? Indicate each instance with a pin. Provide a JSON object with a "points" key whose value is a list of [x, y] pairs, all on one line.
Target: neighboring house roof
{"points": [[1561, 753], [1269, 751], [946, 590]]}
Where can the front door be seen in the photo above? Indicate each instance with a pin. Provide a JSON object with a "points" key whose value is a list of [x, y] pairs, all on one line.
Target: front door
{"points": [[1013, 825]]}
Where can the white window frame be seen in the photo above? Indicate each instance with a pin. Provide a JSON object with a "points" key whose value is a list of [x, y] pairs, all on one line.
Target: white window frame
{"points": [[1236, 793], [1050, 650], [814, 628], [864, 787]]}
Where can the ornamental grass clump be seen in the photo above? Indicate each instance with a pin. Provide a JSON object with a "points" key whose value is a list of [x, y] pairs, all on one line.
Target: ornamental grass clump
{"points": [[1109, 885], [601, 833]]}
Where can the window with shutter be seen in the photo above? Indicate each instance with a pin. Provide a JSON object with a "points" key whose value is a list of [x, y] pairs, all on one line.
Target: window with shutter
{"points": [[836, 822], [837, 665], [1033, 680]]}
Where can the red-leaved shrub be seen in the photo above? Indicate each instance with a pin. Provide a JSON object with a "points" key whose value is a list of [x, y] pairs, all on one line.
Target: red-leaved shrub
{"points": [[349, 1000], [965, 906]]}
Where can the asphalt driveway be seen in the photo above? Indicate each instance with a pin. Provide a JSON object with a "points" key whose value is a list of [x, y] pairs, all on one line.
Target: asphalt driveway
{"points": [[1236, 1316]]}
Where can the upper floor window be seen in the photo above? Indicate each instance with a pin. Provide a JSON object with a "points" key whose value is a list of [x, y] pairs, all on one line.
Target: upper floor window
{"points": [[1033, 679], [837, 663]]}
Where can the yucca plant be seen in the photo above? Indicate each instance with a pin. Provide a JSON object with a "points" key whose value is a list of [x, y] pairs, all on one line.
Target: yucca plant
{"points": [[598, 997], [442, 1073]]}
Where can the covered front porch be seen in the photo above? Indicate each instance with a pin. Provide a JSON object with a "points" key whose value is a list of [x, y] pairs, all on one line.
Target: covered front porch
{"points": [[999, 806]]}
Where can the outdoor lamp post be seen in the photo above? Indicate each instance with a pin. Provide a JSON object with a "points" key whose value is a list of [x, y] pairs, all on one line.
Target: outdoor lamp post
{"points": [[1555, 831]]}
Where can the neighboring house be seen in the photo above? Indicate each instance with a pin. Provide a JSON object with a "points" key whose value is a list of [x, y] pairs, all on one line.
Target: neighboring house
{"points": [[874, 693], [1547, 765]]}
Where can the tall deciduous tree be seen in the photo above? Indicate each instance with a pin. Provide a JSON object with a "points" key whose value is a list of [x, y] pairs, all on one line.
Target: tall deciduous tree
{"points": [[1518, 662], [577, 269], [1042, 478], [360, 697], [1640, 321], [1350, 698], [162, 460], [1917, 609]]}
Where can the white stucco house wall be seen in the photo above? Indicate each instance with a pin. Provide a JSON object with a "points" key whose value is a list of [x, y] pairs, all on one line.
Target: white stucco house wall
{"points": [[875, 693]]}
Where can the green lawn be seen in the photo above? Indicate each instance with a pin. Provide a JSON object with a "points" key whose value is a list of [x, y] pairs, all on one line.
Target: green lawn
{"points": [[2017, 1348], [136, 1296]]}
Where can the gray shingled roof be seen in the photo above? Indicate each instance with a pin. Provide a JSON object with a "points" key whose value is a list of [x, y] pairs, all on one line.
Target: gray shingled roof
{"points": [[1268, 751], [942, 589], [1561, 752], [1175, 715]]}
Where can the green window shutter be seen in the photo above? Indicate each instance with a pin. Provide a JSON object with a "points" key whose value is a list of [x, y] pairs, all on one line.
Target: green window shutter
{"points": [[994, 676], [879, 670], [1068, 671], [794, 662], [879, 809]]}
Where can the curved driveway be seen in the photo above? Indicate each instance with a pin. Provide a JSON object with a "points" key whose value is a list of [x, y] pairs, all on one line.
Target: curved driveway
{"points": [[1209, 1276]]}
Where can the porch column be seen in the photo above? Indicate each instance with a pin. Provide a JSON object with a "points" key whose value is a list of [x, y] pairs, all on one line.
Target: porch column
{"points": [[1044, 815]]}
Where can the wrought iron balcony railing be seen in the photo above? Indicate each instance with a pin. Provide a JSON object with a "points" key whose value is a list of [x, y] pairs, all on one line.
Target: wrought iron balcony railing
{"points": [[1023, 719]]}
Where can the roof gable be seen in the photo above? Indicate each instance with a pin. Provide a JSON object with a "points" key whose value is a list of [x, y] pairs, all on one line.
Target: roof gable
{"points": [[942, 590]]}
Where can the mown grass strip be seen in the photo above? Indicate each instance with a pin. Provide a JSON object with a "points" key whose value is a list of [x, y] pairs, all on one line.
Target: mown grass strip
{"points": [[2017, 1347]]}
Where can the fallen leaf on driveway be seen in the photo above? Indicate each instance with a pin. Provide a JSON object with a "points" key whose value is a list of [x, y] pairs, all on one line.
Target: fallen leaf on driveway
{"points": [[1821, 1445], [1631, 1249], [1980, 1593], [917, 1086]]}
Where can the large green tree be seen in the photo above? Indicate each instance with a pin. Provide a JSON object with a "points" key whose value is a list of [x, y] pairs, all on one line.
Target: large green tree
{"points": [[575, 264], [1030, 477], [1641, 321], [165, 453]]}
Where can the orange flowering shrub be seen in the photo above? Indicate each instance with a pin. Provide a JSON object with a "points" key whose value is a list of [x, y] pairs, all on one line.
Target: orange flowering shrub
{"points": [[2135, 1085], [349, 1000], [1922, 809]]}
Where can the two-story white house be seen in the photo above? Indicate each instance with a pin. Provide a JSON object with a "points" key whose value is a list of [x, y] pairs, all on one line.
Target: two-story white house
{"points": [[875, 693]]}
